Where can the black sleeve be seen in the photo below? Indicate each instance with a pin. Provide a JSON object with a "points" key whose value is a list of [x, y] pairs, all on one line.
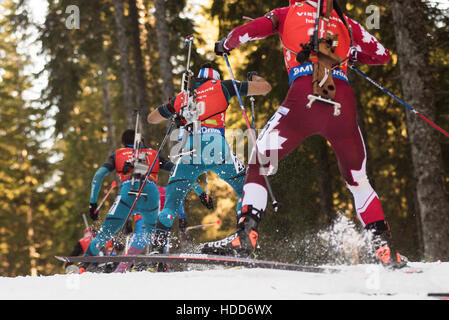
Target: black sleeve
{"points": [[167, 110], [165, 164], [110, 163], [229, 91]]}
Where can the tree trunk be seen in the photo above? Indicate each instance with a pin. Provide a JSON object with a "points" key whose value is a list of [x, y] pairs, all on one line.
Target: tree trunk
{"points": [[165, 66], [106, 98], [33, 255], [416, 82], [141, 87], [124, 62], [163, 40], [324, 180]]}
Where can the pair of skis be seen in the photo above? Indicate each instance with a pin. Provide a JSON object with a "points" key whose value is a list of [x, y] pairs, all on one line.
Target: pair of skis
{"points": [[204, 259]]}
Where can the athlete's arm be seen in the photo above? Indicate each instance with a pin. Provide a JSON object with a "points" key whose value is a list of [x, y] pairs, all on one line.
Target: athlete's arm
{"points": [[258, 86], [197, 188], [368, 49], [162, 113], [259, 28], [155, 117], [98, 178], [229, 90]]}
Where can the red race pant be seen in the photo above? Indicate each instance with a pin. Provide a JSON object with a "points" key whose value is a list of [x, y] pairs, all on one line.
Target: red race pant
{"points": [[293, 122]]}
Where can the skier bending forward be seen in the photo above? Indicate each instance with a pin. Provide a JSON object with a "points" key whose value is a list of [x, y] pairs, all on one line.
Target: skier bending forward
{"points": [[295, 121]]}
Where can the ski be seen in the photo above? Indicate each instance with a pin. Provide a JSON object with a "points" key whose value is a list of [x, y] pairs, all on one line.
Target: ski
{"points": [[186, 258]]}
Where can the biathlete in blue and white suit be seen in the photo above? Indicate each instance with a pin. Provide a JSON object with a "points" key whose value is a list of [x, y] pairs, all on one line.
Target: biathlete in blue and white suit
{"points": [[213, 154], [147, 205], [141, 237]]}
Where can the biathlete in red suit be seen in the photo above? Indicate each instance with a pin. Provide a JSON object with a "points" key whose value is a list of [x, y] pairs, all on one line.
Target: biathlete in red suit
{"points": [[294, 121]]}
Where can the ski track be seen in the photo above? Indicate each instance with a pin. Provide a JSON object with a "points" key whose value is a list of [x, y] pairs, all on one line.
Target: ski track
{"points": [[359, 282]]}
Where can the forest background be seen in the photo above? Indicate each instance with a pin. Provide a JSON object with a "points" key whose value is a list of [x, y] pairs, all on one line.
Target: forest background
{"points": [[69, 87]]}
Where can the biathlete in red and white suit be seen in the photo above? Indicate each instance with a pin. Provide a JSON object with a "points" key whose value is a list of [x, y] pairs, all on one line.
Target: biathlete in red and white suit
{"points": [[293, 121]]}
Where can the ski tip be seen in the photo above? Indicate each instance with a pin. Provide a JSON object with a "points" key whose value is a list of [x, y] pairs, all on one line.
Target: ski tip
{"points": [[442, 296], [60, 258]]}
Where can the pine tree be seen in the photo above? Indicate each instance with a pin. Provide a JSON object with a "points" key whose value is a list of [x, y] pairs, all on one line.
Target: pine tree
{"points": [[24, 163], [413, 51]]}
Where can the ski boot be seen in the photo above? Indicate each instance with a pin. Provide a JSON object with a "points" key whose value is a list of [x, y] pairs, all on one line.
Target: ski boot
{"points": [[385, 253], [241, 243], [125, 266], [160, 242], [78, 268]]}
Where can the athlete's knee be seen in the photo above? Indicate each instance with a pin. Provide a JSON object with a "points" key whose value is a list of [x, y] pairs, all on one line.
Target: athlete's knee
{"points": [[359, 183], [166, 217], [255, 194]]}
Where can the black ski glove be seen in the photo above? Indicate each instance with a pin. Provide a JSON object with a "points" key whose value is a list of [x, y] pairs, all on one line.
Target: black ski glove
{"points": [[128, 227], [219, 47], [182, 225], [353, 55], [206, 200], [179, 121], [127, 167], [93, 211]]}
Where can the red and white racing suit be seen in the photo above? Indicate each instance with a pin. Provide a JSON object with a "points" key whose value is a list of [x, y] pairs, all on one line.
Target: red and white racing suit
{"points": [[293, 121]]}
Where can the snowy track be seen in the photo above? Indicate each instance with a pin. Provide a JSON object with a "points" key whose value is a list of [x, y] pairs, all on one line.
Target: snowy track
{"points": [[353, 282]]}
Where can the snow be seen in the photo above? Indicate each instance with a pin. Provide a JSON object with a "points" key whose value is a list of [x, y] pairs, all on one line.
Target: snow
{"points": [[360, 282], [346, 249]]}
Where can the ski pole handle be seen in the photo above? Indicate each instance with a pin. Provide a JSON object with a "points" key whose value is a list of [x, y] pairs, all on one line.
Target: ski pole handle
{"points": [[189, 40]]}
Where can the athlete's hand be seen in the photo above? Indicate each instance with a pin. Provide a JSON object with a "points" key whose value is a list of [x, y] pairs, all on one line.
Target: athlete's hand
{"points": [[353, 55], [128, 227], [179, 121], [127, 167], [206, 200], [220, 48], [182, 225], [93, 211], [251, 74]]}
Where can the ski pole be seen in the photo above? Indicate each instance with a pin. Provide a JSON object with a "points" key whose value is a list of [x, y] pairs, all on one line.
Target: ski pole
{"points": [[252, 99], [136, 145], [188, 42], [275, 204], [113, 185], [86, 223], [399, 100], [203, 225], [147, 175]]}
